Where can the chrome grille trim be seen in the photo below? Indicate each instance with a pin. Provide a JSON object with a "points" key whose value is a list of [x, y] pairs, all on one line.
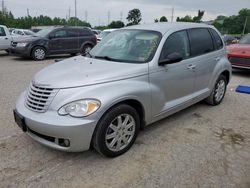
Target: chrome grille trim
{"points": [[39, 98]]}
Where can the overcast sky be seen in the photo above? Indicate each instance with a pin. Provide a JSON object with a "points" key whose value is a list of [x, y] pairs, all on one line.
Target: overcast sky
{"points": [[97, 10]]}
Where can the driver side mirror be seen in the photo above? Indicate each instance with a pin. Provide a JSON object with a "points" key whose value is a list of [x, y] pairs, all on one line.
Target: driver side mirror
{"points": [[51, 36], [171, 58]]}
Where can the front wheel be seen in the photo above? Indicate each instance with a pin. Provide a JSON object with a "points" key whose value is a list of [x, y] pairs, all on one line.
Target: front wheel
{"points": [[38, 53], [117, 131], [218, 92], [86, 49]]}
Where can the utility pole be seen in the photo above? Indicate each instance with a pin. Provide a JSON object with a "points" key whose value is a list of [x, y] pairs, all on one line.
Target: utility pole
{"points": [[3, 9], [172, 17], [69, 12], [121, 15], [245, 25], [86, 16], [28, 12], [108, 17], [75, 10]]}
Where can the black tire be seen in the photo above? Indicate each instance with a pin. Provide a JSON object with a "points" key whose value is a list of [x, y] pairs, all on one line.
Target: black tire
{"points": [[212, 100], [85, 49], [35, 53], [99, 137], [7, 51]]}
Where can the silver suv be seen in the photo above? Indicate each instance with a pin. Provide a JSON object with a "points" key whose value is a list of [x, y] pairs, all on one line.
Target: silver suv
{"points": [[134, 77]]}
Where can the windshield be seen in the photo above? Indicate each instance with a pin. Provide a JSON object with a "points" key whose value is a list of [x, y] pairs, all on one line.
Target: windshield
{"points": [[43, 32], [135, 46], [28, 33], [104, 34], [245, 40]]}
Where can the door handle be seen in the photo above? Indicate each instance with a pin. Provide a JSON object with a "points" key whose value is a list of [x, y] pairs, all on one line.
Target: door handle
{"points": [[6, 38], [191, 67]]}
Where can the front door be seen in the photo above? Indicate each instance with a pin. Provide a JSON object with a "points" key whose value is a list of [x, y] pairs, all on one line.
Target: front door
{"points": [[173, 84], [58, 42], [4, 39]]}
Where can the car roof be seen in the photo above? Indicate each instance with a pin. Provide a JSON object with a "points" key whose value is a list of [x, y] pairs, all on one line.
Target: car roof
{"points": [[109, 30], [166, 26]]}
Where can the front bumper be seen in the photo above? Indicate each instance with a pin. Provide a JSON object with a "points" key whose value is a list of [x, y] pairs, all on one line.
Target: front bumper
{"points": [[20, 51], [239, 61], [47, 128]]}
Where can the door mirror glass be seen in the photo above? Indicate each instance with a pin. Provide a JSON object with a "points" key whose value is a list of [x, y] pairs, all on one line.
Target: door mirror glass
{"points": [[171, 58]]}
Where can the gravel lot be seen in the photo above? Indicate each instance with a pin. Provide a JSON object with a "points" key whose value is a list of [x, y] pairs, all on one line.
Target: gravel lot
{"points": [[201, 146]]}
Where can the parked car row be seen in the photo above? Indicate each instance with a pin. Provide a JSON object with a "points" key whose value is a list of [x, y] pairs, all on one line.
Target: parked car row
{"points": [[49, 41], [58, 40]]}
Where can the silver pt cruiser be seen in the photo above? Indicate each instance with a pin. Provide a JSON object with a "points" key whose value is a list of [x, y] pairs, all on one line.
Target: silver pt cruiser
{"points": [[132, 78]]}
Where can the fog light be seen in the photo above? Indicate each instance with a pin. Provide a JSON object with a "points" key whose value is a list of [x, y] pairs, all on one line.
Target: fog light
{"points": [[64, 142]]}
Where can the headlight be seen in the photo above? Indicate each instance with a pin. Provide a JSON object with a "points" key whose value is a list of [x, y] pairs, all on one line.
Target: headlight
{"points": [[81, 108], [21, 44]]}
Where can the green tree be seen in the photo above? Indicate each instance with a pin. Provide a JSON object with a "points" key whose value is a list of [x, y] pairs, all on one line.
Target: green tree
{"points": [[156, 20], [134, 17], [188, 18], [199, 17], [116, 24], [163, 19]]}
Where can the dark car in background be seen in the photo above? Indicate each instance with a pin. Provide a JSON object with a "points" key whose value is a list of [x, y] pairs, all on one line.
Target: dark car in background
{"points": [[51, 41]]}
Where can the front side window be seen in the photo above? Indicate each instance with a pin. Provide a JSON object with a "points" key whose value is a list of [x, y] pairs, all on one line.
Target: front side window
{"points": [[2, 32], [245, 39], [201, 41], [134, 46], [60, 34], [176, 43]]}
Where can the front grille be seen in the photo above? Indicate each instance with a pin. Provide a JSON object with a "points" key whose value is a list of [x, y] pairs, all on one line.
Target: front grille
{"points": [[39, 98], [239, 60]]}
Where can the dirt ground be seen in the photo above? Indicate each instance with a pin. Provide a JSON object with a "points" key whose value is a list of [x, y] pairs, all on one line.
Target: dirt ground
{"points": [[201, 146]]}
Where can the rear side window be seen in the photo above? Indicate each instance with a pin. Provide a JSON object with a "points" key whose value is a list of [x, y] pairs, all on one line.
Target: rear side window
{"points": [[73, 33], [176, 43], [2, 32], [217, 39], [201, 41], [86, 32]]}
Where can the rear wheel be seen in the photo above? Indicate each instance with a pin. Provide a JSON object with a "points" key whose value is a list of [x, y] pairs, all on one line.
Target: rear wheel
{"points": [[218, 92], [117, 131], [38, 53]]}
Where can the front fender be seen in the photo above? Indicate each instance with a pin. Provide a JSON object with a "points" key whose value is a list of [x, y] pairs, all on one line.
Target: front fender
{"points": [[109, 94]]}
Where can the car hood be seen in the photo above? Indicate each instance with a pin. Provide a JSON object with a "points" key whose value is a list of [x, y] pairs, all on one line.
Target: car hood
{"points": [[26, 38], [82, 71], [239, 49]]}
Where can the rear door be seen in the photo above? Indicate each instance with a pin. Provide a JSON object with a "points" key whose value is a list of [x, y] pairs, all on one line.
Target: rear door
{"points": [[5, 40], [73, 39], [204, 57]]}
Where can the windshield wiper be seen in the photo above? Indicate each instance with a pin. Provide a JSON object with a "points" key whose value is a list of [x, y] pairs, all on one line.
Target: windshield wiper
{"points": [[106, 58]]}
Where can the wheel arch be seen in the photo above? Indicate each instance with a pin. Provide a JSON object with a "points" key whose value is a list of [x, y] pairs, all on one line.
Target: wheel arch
{"points": [[31, 51]]}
